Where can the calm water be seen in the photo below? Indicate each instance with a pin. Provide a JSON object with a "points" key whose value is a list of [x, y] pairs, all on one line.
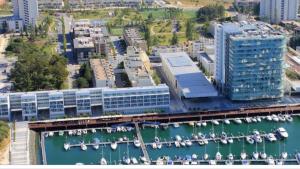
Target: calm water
{"points": [[57, 155]]}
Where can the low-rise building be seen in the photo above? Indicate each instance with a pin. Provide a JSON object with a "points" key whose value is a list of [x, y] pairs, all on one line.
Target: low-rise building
{"points": [[94, 4], [103, 74], [138, 67], [133, 38], [122, 100], [90, 38], [185, 77], [50, 4]]}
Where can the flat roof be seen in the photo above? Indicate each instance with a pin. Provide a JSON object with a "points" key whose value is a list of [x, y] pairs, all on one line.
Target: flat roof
{"points": [[190, 79]]}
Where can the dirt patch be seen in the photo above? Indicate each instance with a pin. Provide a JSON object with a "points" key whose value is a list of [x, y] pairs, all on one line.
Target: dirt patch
{"points": [[4, 152]]}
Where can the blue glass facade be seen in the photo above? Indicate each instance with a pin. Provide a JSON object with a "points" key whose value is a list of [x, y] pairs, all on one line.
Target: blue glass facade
{"points": [[254, 67]]}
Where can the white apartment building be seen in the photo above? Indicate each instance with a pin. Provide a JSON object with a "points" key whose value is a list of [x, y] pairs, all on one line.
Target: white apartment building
{"points": [[27, 10], [103, 73], [275, 11], [122, 100], [50, 4]]}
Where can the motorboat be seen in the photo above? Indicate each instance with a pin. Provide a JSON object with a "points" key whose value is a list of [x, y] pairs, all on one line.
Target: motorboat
{"points": [[78, 132], [61, 133], [255, 155], [269, 118], [212, 162], [137, 142], [249, 140], [191, 123], [114, 145], [248, 120], [177, 144], [51, 133], [159, 145], [182, 144], [254, 120], [154, 145], [212, 135], [165, 126], [46, 134], [237, 120], [218, 156], [256, 136], [103, 161], [201, 142], [194, 156], [271, 137], [281, 118], [126, 160], [279, 162], [125, 138], [226, 121], [160, 161], [230, 140], [176, 125], [70, 132], [204, 124], [195, 137], [121, 139], [205, 156], [298, 157], [215, 122], [201, 135], [289, 118], [198, 124], [205, 141], [66, 146], [156, 140], [282, 132], [94, 131], [84, 131], [243, 155], [178, 138], [275, 118], [270, 161], [223, 138], [258, 119], [134, 161], [229, 162], [96, 146], [143, 158], [83, 146], [263, 155], [284, 155], [230, 156], [108, 130], [188, 142]]}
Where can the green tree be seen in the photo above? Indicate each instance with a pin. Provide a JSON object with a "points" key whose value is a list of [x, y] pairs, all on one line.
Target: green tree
{"points": [[211, 12], [82, 83], [189, 30], [174, 40], [64, 34]]}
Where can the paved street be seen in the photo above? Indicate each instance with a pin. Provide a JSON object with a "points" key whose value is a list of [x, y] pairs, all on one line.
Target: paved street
{"points": [[19, 144]]}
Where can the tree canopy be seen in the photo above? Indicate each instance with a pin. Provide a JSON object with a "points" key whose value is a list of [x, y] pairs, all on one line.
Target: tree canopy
{"points": [[211, 12], [36, 68]]}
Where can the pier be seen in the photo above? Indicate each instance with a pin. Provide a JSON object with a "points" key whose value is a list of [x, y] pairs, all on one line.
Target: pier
{"points": [[144, 149], [100, 143], [159, 117], [44, 158]]}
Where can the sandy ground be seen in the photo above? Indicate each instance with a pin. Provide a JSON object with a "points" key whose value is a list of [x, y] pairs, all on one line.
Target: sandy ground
{"points": [[4, 154]]}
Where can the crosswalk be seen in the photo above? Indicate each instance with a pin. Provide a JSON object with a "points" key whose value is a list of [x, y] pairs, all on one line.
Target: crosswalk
{"points": [[19, 144]]}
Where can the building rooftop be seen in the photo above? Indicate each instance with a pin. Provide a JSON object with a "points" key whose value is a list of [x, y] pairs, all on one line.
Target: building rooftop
{"points": [[101, 69], [83, 42], [249, 29], [190, 79]]}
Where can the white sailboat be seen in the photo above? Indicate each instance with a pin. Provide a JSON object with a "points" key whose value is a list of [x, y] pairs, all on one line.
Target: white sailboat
{"points": [[218, 154], [83, 146], [263, 155], [66, 146], [284, 154], [243, 153], [102, 160], [126, 159], [205, 156], [114, 145], [255, 154], [137, 142]]}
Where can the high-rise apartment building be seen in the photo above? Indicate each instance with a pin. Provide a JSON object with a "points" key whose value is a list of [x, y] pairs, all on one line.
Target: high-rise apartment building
{"points": [[27, 10], [275, 11], [249, 60]]}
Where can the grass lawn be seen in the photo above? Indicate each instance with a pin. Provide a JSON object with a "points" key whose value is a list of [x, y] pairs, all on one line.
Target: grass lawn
{"points": [[198, 3], [117, 31]]}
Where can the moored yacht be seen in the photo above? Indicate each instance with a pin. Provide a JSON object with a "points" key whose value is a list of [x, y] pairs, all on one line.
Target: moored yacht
{"points": [[275, 118], [238, 120], [215, 122], [137, 142], [288, 117], [269, 118], [126, 160], [271, 137], [94, 131], [243, 155], [83, 146], [204, 124], [255, 155], [263, 155], [188, 142], [284, 155], [61, 133], [205, 156], [282, 132], [114, 145], [66, 146], [218, 156], [134, 161], [51, 133], [176, 125], [227, 121], [230, 156], [281, 118], [103, 161], [249, 140], [270, 161]]}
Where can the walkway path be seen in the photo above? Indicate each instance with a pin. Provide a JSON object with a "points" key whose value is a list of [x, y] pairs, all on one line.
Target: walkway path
{"points": [[19, 145], [138, 133]]}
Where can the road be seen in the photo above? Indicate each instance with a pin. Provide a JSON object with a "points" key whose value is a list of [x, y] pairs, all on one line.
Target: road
{"points": [[72, 67]]}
